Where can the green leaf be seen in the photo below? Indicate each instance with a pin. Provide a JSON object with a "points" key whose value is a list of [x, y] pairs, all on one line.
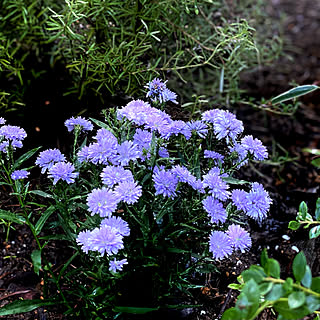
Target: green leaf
{"points": [[313, 303], [314, 232], [135, 310], [307, 278], [251, 290], [276, 293], [303, 210], [254, 272], [232, 314], [20, 306], [272, 268], [296, 299], [24, 157], [316, 284], [299, 266], [293, 314], [317, 212], [287, 286], [312, 151], [294, 225], [12, 217], [316, 162], [41, 193], [231, 180], [42, 220], [36, 260], [265, 287], [294, 93]]}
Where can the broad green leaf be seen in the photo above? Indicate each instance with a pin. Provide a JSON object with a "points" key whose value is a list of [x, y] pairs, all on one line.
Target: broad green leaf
{"points": [[44, 217], [135, 310], [313, 303], [307, 278], [41, 193], [251, 290], [254, 272], [294, 93], [272, 268], [36, 260], [299, 266], [294, 225], [21, 306], [276, 293], [12, 217], [314, 232], [293, 314], [25, 157], [296, 299], [317, 212], [265, 287], [303, 210], [316, 284], [232, 314]]}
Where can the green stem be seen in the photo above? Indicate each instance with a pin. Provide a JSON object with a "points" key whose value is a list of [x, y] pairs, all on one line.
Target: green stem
{"points": [[297, 286], [263, 306]]}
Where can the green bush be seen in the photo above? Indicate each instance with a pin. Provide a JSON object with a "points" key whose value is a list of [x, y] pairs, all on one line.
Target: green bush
{"points": [[113, 47]]}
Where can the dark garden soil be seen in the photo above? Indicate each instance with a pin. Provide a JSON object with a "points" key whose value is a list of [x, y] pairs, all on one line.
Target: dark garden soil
{"points": [[288, 176]]}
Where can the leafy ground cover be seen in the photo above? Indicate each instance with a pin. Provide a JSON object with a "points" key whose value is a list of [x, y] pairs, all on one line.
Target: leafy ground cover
{"points": [[289, 177]]}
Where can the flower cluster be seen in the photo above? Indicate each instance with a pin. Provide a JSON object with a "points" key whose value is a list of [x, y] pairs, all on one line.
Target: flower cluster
{"points": [[158, 91], [10, 136], [78, 123]]}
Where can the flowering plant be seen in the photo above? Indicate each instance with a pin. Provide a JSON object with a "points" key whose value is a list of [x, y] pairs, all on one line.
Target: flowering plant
{"points": [[149, 198]]}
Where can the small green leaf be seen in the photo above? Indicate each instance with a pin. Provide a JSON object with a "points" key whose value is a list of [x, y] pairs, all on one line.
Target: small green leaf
{"points": [[294, 225], [316, 162], [317, 212], [254, 272], [287, 286], [313, 303], [41, 193], [25, 157], [231, 180], [294, 93], [299, 266], [265, 287], [235, 286], [282, 308], [232, 314], [296, 299], [312, 151], [42, 220], [303, 210], [272, 268], [314, 232], [36, 260]]}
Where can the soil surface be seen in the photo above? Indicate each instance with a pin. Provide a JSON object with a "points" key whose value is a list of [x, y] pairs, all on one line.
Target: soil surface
{"points": [[288, 175]]}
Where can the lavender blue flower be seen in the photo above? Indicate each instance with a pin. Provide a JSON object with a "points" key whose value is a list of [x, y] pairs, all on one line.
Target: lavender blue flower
{"points": [[175, 128], [102, 201], [163, 153], [105, 134], [158, 121], [2, 121], [83, 154], [102, 151], [197, 185], [239, 237], [135, 111], [241, 157], [112, 175], [182, 174], [117, 265], [142, 138], [217, 187], [106, 240], [128, 191], [210, 115], [83, 240], [165, 183], [217, 157], [78, 123], [255, 147], [199, 127], [158, 91], [63, 171], [226, 125], [126, 151], [12, 133], [220, 245], [255, 203], [4, 146], [19, 174], [118, 224], [215, 209], [48, 158]]}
